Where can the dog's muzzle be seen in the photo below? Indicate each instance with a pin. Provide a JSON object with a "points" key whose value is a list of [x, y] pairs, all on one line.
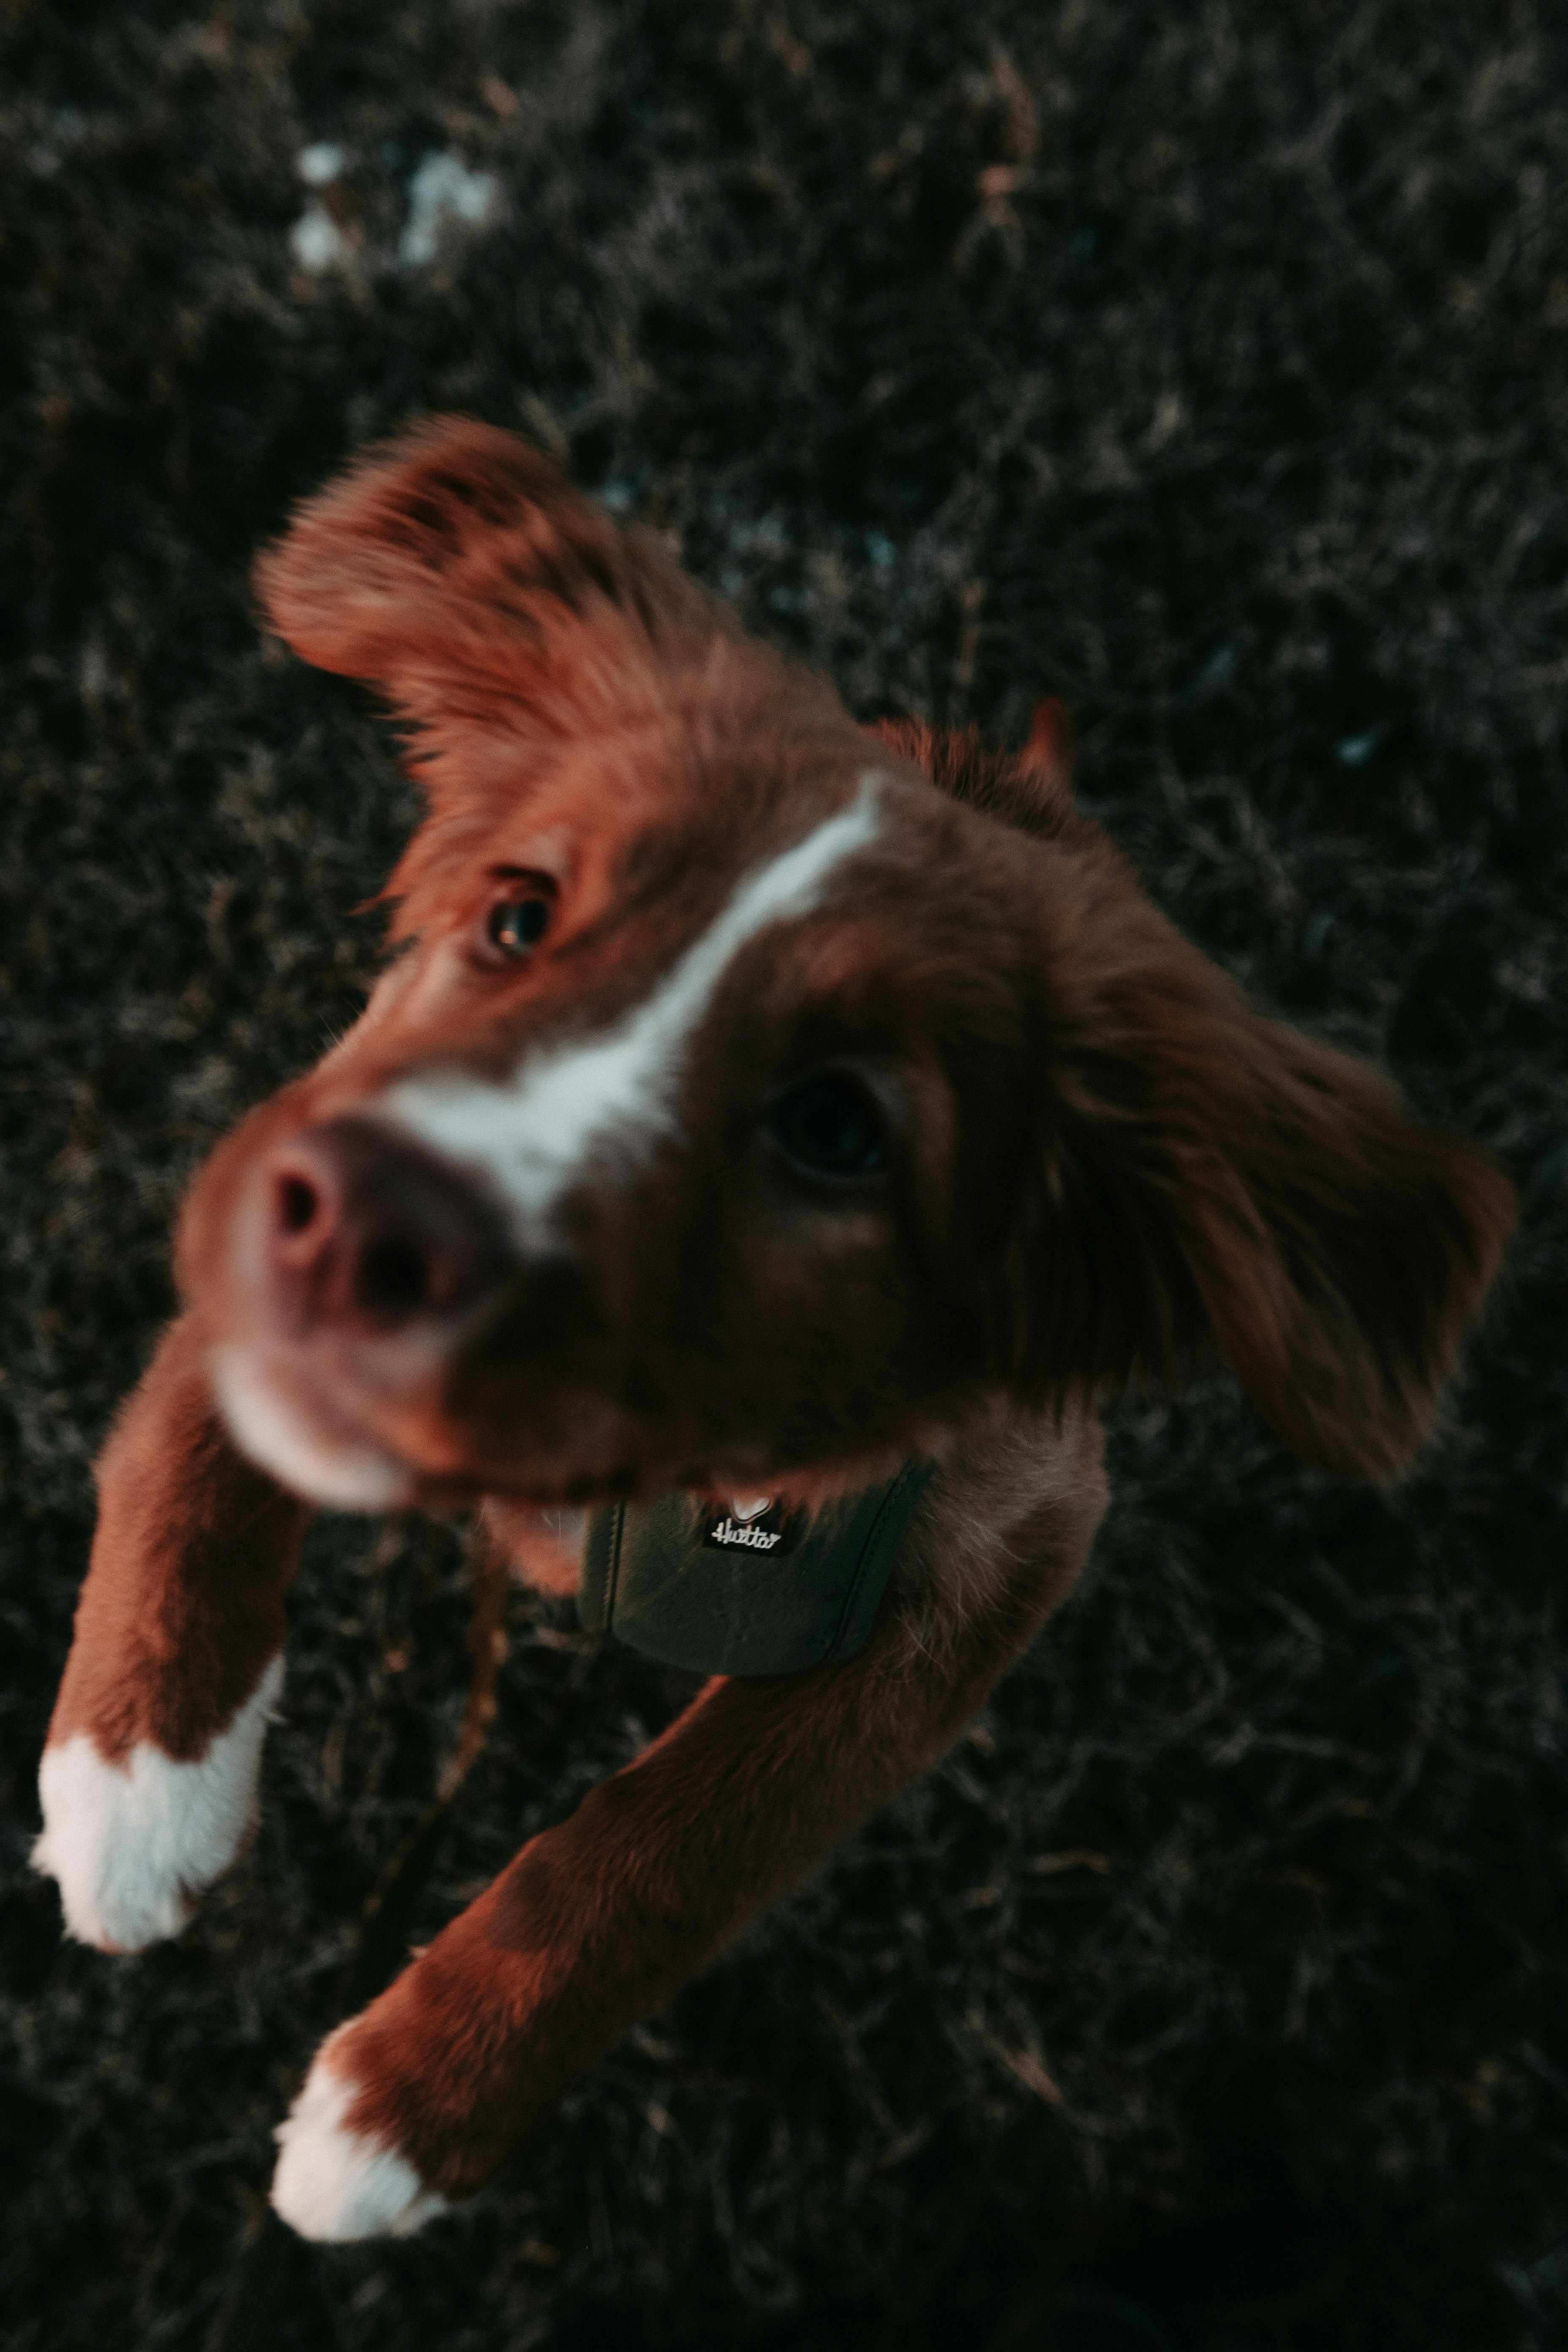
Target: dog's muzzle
{"points": [[367, 1232]]}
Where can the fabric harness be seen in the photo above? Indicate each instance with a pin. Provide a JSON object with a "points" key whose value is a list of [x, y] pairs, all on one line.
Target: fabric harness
{"points": [[747, 1590]]}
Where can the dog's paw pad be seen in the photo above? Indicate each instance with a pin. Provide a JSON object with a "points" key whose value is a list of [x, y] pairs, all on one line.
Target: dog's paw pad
{"points": [[335, 2185], [135, 1845]]}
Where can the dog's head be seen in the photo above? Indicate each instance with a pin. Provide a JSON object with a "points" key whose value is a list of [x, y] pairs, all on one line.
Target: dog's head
{"points": [[752, 1094]]}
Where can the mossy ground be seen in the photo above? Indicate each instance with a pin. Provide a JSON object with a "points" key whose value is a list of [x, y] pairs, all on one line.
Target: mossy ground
{"points": [[1206, 366]]}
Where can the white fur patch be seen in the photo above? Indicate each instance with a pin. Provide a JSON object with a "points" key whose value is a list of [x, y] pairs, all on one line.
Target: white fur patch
{"points": [[335, 2185], [343, 1474], [134, 1845], [532, 1134]]}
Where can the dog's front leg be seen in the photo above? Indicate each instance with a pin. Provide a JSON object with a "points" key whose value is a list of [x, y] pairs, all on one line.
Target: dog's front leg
{"points": [[148, 1778], [598, 1921]]}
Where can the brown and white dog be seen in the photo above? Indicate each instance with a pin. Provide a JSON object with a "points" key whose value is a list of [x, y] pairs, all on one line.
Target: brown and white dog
{"points": [[758, 1101]]}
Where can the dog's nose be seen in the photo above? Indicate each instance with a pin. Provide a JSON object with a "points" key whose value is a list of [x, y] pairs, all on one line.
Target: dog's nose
{"points": [[366, 1227]]}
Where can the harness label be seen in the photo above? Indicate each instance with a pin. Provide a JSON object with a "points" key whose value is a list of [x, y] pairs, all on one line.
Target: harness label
{"points": [[750, 1523]]}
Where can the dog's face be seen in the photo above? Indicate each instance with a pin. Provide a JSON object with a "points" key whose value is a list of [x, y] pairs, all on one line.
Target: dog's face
{"points": [[748, 1098], [664, 1156]]}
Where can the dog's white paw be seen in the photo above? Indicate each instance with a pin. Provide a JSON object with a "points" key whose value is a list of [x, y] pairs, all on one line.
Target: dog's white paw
{"points": [[135, 1845], [333, 2184]]}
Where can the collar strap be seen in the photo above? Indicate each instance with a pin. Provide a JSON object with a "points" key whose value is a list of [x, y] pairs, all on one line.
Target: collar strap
{"points": [[746, 1589]]}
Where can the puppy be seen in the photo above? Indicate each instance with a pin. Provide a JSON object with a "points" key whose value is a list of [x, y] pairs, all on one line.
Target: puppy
{"points": [[760, 1114]]}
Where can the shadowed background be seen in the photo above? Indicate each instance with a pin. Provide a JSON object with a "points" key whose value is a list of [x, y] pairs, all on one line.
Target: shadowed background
{"points": [[1205, 366]]}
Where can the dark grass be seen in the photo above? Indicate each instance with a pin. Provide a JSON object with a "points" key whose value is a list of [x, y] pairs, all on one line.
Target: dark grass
{"points": [[1233, 407]]}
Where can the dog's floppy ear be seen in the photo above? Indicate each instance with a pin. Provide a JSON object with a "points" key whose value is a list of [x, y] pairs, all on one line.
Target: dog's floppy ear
{"points": [[458, 571], [1218, 1180]]}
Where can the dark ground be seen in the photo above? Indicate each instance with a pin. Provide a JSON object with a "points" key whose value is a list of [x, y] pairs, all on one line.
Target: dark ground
{"points": [[1206, 366]]}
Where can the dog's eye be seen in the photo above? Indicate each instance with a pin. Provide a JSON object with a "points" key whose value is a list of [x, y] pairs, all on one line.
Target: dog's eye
{"points": [[519, 920], [831, 1125]]}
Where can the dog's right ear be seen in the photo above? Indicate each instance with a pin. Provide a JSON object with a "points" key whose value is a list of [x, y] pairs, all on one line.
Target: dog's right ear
{"points": [[458, 569]]}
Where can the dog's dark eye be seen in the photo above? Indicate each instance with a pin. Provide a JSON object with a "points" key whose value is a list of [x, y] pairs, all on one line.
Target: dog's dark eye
{"points": [[831, 1125], [516, 923]]}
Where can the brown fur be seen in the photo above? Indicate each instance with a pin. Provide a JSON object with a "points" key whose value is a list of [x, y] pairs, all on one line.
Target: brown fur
{"points": [[1108, 1168], [193, 1557], [600, 1920]]}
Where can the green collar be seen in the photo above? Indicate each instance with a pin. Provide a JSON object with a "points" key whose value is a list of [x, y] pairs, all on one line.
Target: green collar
{"points": [[748, 1590]]}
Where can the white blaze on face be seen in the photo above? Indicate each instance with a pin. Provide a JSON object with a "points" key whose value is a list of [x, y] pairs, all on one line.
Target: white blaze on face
{"points": [[533, 1133]]}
